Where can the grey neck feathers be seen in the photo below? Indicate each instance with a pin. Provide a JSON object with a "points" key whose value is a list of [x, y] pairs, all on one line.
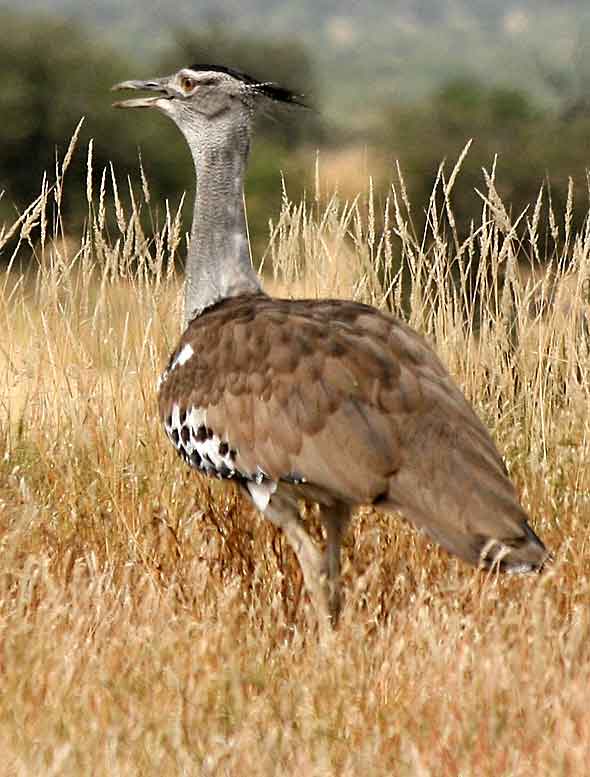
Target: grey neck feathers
{"points": [[218, 262]]}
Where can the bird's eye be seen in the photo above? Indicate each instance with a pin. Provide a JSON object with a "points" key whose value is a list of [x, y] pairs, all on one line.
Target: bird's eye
{"points": [[188, 84]]}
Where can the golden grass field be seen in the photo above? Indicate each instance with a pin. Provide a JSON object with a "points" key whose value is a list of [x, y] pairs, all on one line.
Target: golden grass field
{"points": [[152, 624]]}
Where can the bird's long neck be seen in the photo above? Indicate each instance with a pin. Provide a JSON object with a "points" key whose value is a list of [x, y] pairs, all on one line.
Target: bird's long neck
{"points": [[218, 262]]}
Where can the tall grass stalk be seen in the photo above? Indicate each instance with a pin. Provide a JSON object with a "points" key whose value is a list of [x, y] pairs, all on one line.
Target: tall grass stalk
{"points": [[152, 623]]}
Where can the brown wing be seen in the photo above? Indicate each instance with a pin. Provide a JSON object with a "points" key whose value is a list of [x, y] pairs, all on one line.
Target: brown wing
{"points": [[354, 404], [326, 392]]}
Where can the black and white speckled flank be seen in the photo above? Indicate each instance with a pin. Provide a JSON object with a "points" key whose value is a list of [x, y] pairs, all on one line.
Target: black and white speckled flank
{"points": [[204, 450]]}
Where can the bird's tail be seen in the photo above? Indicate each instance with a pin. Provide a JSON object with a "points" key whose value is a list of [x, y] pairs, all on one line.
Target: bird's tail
{"points": [[458, 491], [526, 553]]}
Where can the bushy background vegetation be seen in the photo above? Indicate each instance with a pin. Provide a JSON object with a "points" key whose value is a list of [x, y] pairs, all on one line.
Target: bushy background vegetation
{"points": [[54, 72], [369, 102]]}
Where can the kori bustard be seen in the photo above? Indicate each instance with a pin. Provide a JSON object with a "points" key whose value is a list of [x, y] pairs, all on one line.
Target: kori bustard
{"points": [[331, 401]]}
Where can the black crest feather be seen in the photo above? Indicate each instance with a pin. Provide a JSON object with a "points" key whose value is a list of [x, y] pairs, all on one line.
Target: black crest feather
{"points": [[267, 88]]}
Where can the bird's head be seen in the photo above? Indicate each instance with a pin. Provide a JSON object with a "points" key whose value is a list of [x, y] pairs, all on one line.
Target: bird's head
{"points": [[197, 97]]}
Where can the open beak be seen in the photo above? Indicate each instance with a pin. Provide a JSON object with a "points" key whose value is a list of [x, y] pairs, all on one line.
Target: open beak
{"points": [[144, 86]]}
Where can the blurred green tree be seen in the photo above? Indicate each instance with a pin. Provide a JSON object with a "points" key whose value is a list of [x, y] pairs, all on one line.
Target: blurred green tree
{"points": [[53, 74], [533, 146]]}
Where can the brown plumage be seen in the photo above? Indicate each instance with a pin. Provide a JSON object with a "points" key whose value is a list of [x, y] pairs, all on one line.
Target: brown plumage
{"points": [[344, 404], [324, 399]]}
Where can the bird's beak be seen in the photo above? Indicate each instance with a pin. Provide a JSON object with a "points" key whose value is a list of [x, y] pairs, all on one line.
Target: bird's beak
{"points": [[142, 102]]}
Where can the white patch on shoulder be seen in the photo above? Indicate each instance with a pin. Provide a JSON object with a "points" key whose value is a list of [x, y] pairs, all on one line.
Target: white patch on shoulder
{"points": [[261, 492], [182, 358]]}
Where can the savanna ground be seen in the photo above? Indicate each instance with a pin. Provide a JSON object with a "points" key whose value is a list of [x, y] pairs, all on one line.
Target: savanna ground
{"points": [[152, 623]]}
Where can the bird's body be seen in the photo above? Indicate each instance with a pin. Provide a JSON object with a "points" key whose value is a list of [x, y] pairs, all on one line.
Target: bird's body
{"points": [[341, 403], [327, 400]]}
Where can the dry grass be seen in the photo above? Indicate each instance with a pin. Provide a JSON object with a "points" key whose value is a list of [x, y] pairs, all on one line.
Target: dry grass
{"points": [[151, 623]]}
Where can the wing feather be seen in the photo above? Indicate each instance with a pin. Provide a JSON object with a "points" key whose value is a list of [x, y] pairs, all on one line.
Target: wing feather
{"points": [[315, 389]]}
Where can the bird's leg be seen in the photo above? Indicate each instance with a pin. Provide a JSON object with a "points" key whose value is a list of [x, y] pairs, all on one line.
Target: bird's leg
{"points": [[284, 514], [321, 572], [335, 520]]}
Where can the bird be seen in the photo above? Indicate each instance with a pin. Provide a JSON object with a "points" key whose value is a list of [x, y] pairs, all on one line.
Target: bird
{"points": [[324, 401]]}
